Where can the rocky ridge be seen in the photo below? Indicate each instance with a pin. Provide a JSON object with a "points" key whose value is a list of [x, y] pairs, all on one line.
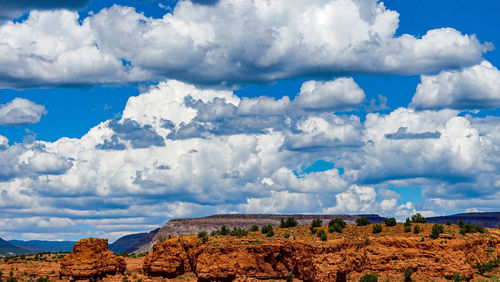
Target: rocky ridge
{"points": [[356, 251], [91, 259]]}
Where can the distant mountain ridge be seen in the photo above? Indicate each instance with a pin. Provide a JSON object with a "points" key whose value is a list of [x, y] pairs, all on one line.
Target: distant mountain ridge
{"points": [[44, 246], [125, 242], [9, 249], [189, 226], [485, 219]]}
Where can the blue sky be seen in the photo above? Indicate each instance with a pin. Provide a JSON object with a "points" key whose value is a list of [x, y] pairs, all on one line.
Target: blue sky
{"points": [[331, 106]]}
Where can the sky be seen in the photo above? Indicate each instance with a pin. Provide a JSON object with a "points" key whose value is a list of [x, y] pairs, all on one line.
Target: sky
{"points": [[116, 116]]}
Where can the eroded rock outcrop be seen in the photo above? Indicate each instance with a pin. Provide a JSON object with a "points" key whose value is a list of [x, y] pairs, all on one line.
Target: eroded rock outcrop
{"points": [[333, 260], [91, 259]]}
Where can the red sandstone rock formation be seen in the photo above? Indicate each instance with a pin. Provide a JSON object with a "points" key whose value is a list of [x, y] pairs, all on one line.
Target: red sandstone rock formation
{"points": [[91, 259], [224, 258]]}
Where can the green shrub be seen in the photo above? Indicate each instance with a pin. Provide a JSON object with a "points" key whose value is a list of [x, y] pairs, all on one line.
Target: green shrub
{"points": [[286, 235], [335, 228], [483, 267], [317, 222], [322, 234], [11, 279], [203, 236], [254, 228], [238, 232], [289, 277], [390, 221], [289, 222], [339, 221], [457, 277], [362, 221], [470, 228], [43, 279], [376, 228], [408, 273], [270, 233], [369, 278], [407, 229], [461, 223], [448, 223], [436, 230], [416, 229], [418, 218], [11, 273], [408, 222], [266, 229], [224, 231], [313, 230]]}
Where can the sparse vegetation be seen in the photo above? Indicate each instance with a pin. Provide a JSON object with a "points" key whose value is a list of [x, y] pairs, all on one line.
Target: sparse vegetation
{"points": [[461, 223], [470, 228], [289, 222], [418, 218], [390, 221], [254, 228], [436, 230], [203, 236], [377, 228], [336, 225], [289, 277], [43, 279], [286, 235], [369, 278], [312, 229], [362, 221], [266, 229], [416, 229], [448, 223], [408, 273], [238, 232], [317, 222], [322, 235], [458, 277]]}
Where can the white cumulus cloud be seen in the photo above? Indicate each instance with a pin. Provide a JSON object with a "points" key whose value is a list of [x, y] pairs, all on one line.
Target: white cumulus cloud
{"points": [[21, 112]]}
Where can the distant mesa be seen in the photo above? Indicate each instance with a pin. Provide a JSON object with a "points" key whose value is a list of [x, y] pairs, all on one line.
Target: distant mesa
{"points": [[91, 259]]}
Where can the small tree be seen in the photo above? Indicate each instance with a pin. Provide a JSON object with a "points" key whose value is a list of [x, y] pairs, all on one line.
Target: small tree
{"points": [[390, 221], [254, 228], [203, 236], [407, 274], [266, 229], [461, 223], [369, 278], [322, 234], [286, 235], [436, 230], [448, 223], [224, 231], [289, 222], [270, 233], [416, 229], [317, 222], [377, 228], [312, 229], [335, 228], [418, 218], [362, 221]]}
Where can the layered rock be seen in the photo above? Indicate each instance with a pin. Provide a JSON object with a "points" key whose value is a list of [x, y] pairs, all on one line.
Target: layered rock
{"points": [[91, 259], [333, 260]]}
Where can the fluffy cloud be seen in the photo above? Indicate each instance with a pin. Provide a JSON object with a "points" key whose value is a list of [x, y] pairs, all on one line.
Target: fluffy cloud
{"points": [[476, 87], [14, 9], [242, 155], [337, 95], [21, 112], [228, 42]]}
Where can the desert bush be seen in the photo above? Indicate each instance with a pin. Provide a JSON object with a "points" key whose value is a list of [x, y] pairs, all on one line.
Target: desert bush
{"points": [[224, 230], [266, 229], [254, 228], [339, 221], [448, 223], [483, 267], [322, 234], [335, 228], [407, 229], [238, 232], [312, 229], [418, 218], [203, 236], [461, 223], [317, 222], [286, 235], [470, 228], [270, 233], [289, 277], [43, 279], [11, 279], [362, 221], [408, 273], [390, 221], [289, 222], [416, 229], [436, 230], [377, 228], [457, 277], [369, 278]]}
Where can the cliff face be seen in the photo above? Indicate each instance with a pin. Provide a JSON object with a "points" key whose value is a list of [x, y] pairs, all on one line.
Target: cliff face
{"points": [[91, 259], [190, 226], [309, 259]]}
